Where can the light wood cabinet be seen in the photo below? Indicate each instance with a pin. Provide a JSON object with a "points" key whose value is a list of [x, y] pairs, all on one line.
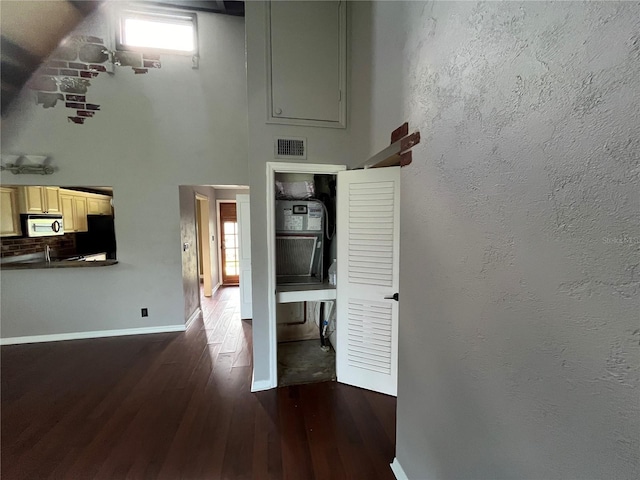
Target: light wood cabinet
{"points": [[74, 205], [80, 211], [36, 199], [9, 214], [51, 197], [31, 200], [74, 210], [68, 215], [98, 205]]}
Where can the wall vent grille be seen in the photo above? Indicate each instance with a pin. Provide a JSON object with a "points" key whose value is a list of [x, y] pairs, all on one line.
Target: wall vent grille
{"points": [[291, 148]]}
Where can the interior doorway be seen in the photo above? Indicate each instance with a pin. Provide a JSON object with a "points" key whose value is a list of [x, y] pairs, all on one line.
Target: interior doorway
{"points": [[229, 243], [200, 242], [300, 241], [365, 246]]}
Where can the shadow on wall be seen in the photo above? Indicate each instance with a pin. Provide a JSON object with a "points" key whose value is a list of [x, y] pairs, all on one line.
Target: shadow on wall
{"points": [[377, 87]]}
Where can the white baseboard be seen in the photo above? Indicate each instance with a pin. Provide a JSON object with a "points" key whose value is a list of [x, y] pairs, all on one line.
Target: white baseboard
{"points": [[260, 385], [215, 289], [193, 316], [58, 337], [397, 470]]}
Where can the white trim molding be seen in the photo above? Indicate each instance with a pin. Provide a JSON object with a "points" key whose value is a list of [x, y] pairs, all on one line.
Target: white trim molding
{"points": [[397, 470], [272, 169], [59, 337], [193, 316], [260, 385]]}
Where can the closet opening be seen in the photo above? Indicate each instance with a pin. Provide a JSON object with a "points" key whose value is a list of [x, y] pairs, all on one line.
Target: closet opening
{"points": [[305, 230]]}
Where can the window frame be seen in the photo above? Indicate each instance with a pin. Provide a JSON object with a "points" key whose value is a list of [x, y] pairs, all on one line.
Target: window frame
{"points": [[170, 15]]}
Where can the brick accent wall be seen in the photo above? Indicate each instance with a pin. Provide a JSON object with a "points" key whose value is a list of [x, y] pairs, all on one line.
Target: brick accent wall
{"points": [[60, 245], [65, 77]]}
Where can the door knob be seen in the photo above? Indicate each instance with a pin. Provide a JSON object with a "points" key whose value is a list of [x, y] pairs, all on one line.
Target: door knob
{"points": [[395, 297]]}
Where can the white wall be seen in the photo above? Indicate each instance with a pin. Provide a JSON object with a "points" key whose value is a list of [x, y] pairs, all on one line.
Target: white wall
{"points": [[376, 78], [374, 110], [324, 145], [172, 126], [212, 194], [230, 193], [520, 292]]}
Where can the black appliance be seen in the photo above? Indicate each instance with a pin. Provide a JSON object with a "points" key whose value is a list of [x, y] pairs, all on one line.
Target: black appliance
{"points": [[100, 237]]}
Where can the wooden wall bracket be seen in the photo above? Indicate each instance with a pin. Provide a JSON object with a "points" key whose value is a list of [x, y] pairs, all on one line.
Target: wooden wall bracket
{"points": [[398, 153]]}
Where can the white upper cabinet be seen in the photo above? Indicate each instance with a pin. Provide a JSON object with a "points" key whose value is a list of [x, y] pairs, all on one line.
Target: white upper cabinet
{"points": [[306, 64]]}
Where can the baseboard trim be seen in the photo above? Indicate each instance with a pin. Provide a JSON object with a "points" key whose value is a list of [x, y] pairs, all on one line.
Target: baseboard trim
{"points": [[191, 319], [59, 337], [398, 471], [260, 385], [215, 289]]}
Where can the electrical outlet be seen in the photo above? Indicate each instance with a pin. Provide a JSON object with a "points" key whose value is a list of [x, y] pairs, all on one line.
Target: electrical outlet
{"points": [[145, 312]]}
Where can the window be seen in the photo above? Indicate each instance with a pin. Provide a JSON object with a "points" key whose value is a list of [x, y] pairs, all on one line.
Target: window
{"points": [[158, 31]]}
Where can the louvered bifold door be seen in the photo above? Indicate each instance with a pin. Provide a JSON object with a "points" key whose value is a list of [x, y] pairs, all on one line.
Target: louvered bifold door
{"points": [[368, 231]]}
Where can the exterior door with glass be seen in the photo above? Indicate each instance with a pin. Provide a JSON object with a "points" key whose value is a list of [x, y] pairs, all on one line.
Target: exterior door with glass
{"points": [[229, 244]]}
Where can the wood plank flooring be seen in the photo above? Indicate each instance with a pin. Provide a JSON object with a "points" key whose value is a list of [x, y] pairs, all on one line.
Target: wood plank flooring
{"points": [[179, 406]]}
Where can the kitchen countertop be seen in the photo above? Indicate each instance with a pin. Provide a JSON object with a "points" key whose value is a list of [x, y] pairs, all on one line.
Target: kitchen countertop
{"points": [[56, 264]]}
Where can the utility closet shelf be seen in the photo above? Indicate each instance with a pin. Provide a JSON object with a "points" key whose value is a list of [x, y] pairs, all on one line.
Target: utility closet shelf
{"points": [[305, 293]]}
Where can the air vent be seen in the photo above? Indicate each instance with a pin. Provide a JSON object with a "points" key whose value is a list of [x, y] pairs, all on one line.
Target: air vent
{"points": [[291, 147]]}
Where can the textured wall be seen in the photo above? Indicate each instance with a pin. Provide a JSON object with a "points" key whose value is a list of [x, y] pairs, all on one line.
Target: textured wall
{"points": [[520, 277], [188, 234], [190, 277]]}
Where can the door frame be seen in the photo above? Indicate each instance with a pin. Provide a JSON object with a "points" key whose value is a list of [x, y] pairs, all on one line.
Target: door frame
{"points": [[219, 228], [272, 169], [203, 235], [243, 202]]}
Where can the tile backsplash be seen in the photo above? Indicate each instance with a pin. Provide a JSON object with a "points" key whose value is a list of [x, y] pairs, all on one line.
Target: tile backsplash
{"points": [[60, 245]]}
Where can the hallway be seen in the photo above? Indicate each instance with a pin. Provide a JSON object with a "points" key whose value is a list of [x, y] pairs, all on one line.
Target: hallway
{"points": [[179, 406]]}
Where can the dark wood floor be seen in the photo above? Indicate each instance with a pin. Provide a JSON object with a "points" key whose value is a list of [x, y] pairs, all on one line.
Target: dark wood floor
{"points": [[178, 406]]}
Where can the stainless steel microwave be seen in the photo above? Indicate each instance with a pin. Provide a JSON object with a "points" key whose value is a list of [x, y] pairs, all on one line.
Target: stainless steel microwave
{"points": [[42, 225]]}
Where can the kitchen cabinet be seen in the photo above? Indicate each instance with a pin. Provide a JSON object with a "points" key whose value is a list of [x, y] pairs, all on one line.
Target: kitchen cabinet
{"points": [[36, 199], [68, 215], [80, 212], [9, 214], [31, 200], [98, 205], [74, 211], [51, 197], [306, 63]]}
